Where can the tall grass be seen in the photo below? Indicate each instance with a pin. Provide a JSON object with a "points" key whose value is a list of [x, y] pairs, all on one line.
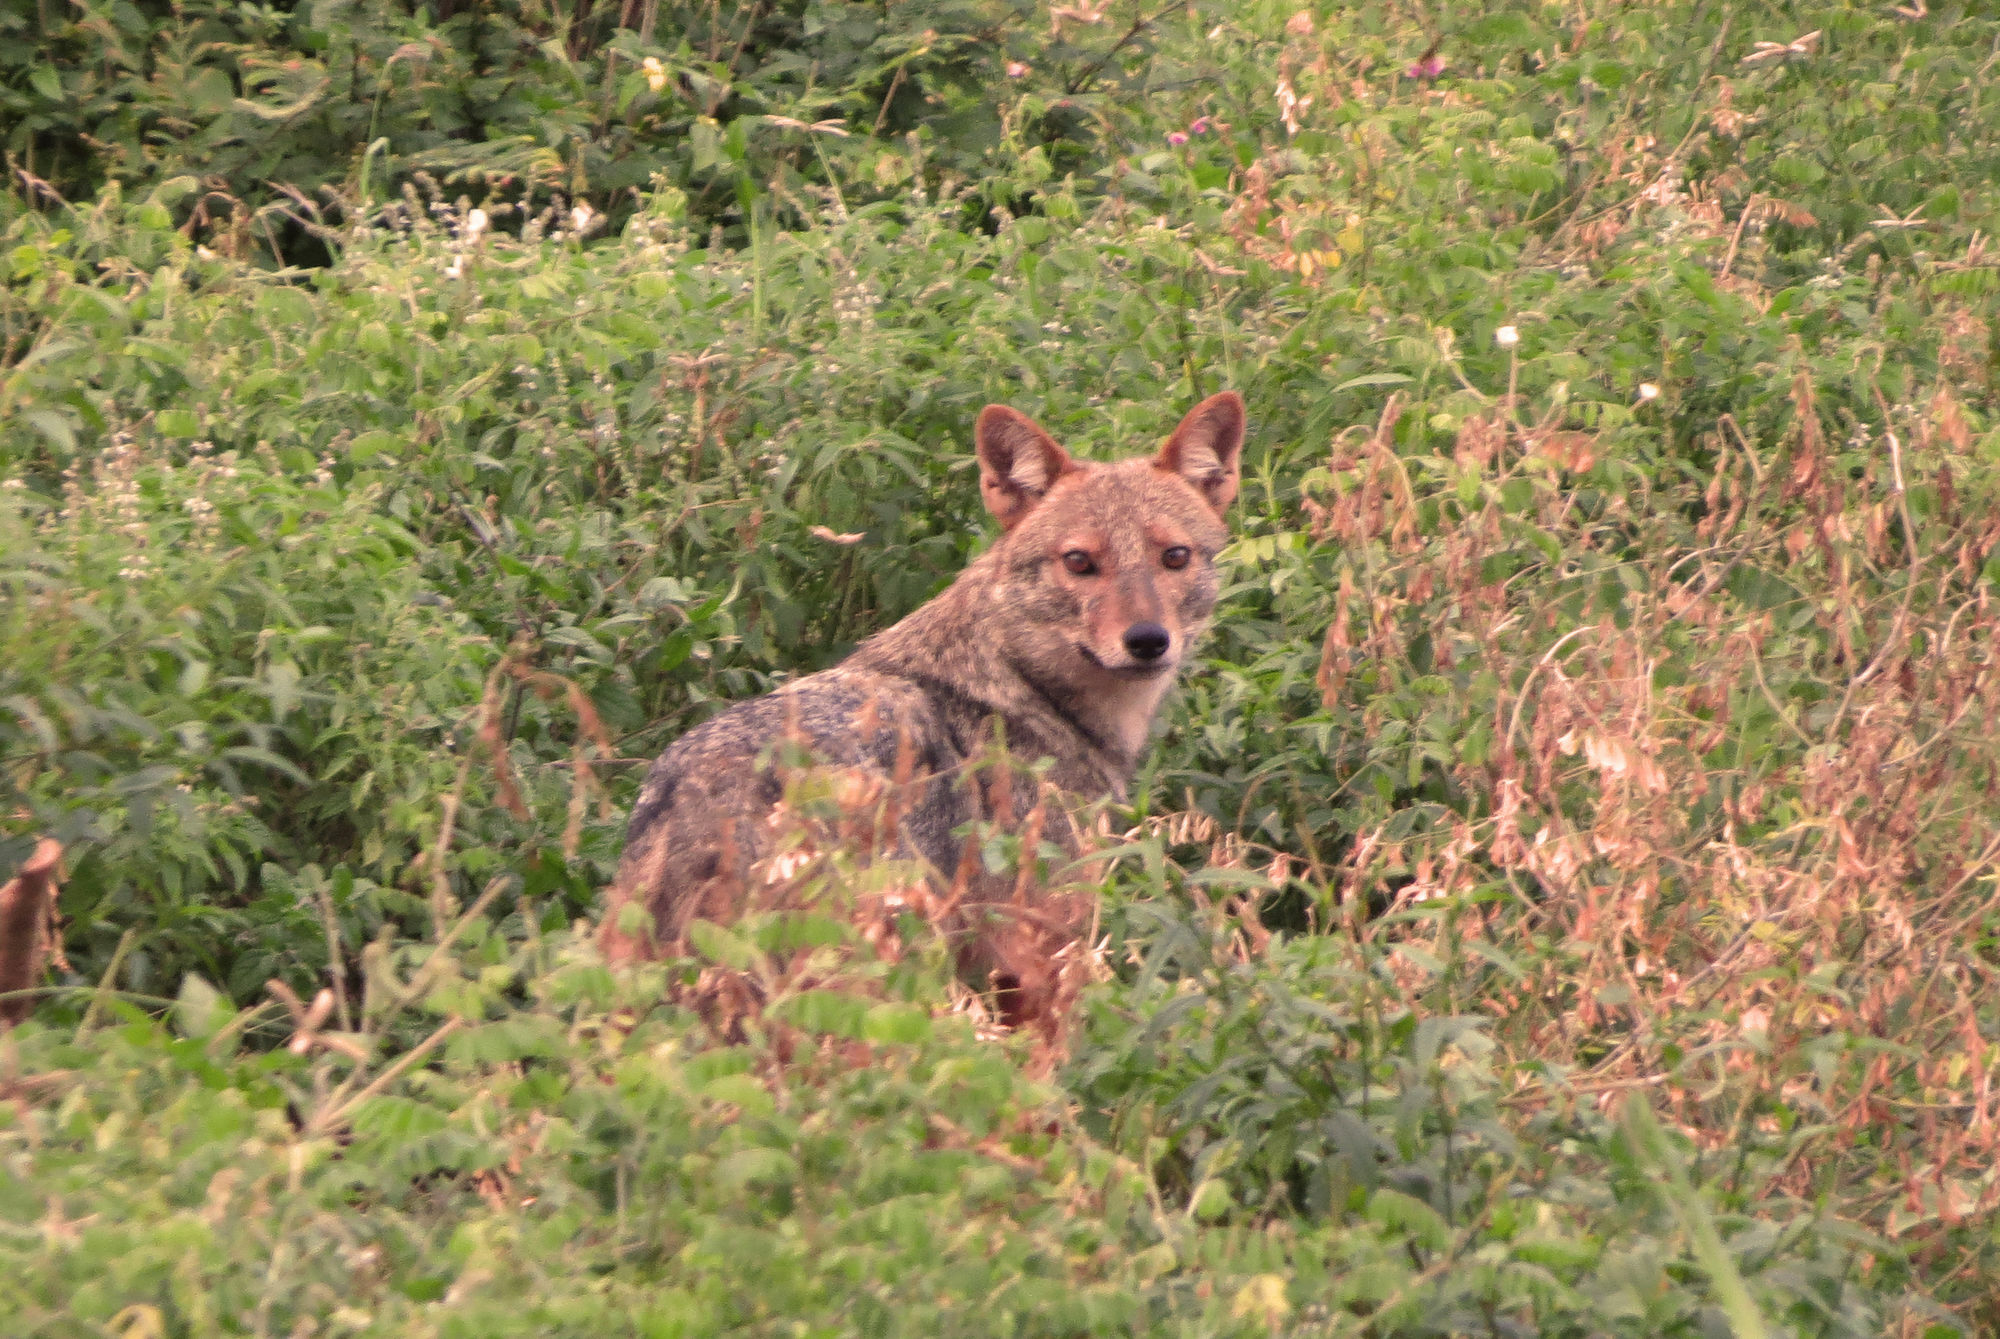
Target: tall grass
{"points": [[1563, 902]]}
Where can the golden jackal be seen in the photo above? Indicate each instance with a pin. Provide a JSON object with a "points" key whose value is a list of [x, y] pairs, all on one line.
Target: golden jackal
{"points": [[1067, 632]]}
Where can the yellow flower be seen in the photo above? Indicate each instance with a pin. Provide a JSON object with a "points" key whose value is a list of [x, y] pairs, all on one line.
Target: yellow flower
{"points": [[656, 76]]}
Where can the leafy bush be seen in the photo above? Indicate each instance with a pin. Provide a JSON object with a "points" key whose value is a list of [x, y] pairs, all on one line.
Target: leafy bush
{"points": [[525, 101], [588, 1160], [1591, 917]]}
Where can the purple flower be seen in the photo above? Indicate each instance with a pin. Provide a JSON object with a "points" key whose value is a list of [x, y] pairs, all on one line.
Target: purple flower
{"points": [[1200, 126], [1177, 138], [1430, 67]]}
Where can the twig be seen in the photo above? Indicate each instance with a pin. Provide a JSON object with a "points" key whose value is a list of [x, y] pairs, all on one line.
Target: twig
{"points": [[1749, 208], [749, 26], [104, 990], [417, 979], [36, 186], [1896, 628], [1979, 865], [1708, 66], [448, 819], [895, 84], [335, 967], [1091, 71], [334, 1116], [1514, 722]]}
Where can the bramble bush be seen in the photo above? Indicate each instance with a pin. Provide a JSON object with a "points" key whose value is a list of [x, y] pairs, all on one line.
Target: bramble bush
{"points": [[1561, 902]]}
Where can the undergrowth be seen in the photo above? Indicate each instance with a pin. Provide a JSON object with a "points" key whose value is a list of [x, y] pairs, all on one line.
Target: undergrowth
{"points": [[1561, 902]]}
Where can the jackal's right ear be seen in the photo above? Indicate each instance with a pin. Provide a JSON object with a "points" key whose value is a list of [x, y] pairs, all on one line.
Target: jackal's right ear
{"points": [[1207, 448], [1017, 463]]}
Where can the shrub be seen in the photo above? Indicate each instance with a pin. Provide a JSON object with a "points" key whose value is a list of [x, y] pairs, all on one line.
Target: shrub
{"points": [[263, 106], [1597, 714]]}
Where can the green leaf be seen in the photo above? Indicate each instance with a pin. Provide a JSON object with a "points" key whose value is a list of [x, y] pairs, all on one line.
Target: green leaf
{"points": [[369, 445], [397, 1119], [1746, 1321], [896, 1025], [264, 757], [1410, 1217], [830, 1011], [177, 423], [200, 1009], [53, 426], [742, 1090], [756, 1166], [1559, 1253], [1374, 379], [1211, 1201], [721, 946]]}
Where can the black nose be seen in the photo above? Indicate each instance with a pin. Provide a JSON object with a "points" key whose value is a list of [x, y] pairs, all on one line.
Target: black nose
{"points": [[1146, 641]]}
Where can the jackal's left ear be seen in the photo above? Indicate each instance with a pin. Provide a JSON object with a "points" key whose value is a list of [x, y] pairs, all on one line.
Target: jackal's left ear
{"points": [[1017, 463], [1207, 447]]}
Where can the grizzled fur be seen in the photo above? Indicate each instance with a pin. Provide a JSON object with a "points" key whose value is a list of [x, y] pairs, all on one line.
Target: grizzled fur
{"points": [[1068, 632]]}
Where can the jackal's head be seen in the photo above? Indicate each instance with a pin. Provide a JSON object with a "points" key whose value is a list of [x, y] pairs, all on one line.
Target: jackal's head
{"points": [[1107, 571]]}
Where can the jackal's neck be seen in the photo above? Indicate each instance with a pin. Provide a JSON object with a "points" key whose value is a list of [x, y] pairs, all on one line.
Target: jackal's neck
{"points": [[957, 649]]}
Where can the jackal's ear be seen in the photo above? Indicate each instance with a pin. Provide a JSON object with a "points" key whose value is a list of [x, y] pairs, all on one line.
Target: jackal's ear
{"points": [[1207, 447], [1017, 463]]}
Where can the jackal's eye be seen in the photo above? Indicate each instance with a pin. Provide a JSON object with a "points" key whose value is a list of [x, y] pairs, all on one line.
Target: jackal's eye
{"points": [[1176, 557], [1078, 563]]}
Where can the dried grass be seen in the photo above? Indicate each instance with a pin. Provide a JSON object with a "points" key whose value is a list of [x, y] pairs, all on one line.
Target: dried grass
{"points": [[1748, 848]]}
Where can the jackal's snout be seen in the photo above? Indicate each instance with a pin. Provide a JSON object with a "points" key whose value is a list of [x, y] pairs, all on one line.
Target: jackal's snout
{"points": [[1128, 620], [1147, 642]]}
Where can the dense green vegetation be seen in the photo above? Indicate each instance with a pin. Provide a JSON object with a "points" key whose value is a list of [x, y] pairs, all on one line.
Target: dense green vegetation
{"points": [[1564, 901]]}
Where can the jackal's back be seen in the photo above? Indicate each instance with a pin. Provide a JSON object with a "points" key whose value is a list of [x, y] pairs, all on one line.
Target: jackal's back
{"points": [[702, 820]]}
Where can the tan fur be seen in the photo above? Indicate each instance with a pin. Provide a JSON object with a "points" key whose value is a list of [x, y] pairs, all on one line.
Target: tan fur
{"points": [[1064, 636]]}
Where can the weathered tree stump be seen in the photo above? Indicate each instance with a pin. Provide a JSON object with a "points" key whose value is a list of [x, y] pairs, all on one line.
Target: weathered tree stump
{"points": [[25, 904]]}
